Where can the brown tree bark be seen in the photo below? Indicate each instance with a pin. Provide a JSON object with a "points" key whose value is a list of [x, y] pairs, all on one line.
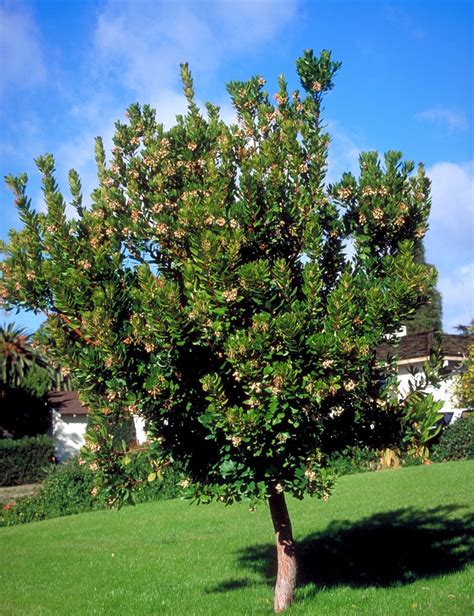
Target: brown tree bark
{"points": [[286, 556]]}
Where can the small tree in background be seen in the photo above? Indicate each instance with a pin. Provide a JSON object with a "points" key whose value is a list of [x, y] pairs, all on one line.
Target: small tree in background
{"points": [[17, 355], [466, 330], [428, 317], [207, 290]]}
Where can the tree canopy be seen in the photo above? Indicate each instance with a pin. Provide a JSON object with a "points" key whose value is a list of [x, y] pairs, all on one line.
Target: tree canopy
{"points": [[208, 289]]}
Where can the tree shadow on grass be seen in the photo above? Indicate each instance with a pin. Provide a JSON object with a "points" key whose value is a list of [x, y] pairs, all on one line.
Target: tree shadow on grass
{"points": [[386, 549]]}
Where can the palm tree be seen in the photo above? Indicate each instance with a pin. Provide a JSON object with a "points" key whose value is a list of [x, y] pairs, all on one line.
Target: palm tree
{"points": [[17, 355]]}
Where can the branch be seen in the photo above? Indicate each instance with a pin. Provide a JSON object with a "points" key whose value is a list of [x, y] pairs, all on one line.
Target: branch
{"points": [[69, 323]]}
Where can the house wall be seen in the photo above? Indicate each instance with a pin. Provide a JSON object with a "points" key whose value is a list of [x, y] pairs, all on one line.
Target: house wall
{"points": [[444, 392], [139, 428], [68, 433]]}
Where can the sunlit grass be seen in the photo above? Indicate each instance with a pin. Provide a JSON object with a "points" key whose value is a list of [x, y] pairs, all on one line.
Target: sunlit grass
{"points": [[390, 543]]}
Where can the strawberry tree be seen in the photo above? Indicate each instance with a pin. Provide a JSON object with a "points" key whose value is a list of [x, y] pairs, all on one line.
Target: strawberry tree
{"points": [[208, 289]]}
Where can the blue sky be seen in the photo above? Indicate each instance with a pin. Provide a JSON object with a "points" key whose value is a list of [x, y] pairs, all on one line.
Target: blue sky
{"points": [[70, 68]]}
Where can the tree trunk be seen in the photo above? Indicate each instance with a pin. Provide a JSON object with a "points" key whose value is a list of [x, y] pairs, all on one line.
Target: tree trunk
{"points": [[286, 557]]}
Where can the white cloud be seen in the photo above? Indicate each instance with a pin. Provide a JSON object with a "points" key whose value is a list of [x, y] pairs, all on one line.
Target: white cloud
{"points": [[249, 22], [21, 54], [143, 48], [452, 212], [142, 45], [450, 239], [344, 153], [404, 20], [457, 290], [442, 116], [136, 54]]}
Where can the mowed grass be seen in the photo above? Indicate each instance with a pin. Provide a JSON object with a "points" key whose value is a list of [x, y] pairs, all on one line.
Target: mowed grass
{"points": [[390, 543]]}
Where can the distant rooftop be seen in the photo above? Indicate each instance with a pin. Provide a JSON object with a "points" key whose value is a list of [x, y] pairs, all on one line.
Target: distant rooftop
{"points": [[420, 346], [66, 403]]}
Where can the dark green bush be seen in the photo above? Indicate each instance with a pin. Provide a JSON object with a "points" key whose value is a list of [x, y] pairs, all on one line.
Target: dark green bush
{"points": [[165, 488], [25, 460], [353, 460], [456, 442], [23, 407], [364, 459], [68, 489]]}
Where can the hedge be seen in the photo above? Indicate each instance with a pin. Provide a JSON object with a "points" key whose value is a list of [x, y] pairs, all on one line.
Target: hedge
{"points": [[456, 442], [25, 460], [69, 488]]}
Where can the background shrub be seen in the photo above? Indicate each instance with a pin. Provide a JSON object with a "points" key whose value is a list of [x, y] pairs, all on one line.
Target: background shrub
{"points": [[164, 488], [25, 460], [23, 412], [456, 442], [354, 460], [68, 489], [365, 459]]}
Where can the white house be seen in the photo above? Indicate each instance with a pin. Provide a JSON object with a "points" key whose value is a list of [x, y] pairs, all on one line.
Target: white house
{"points": [[414, 350], [69, 423]]}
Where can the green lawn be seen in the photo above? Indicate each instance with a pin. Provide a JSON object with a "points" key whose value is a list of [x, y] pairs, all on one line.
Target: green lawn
{"points": [[390, 543]]}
